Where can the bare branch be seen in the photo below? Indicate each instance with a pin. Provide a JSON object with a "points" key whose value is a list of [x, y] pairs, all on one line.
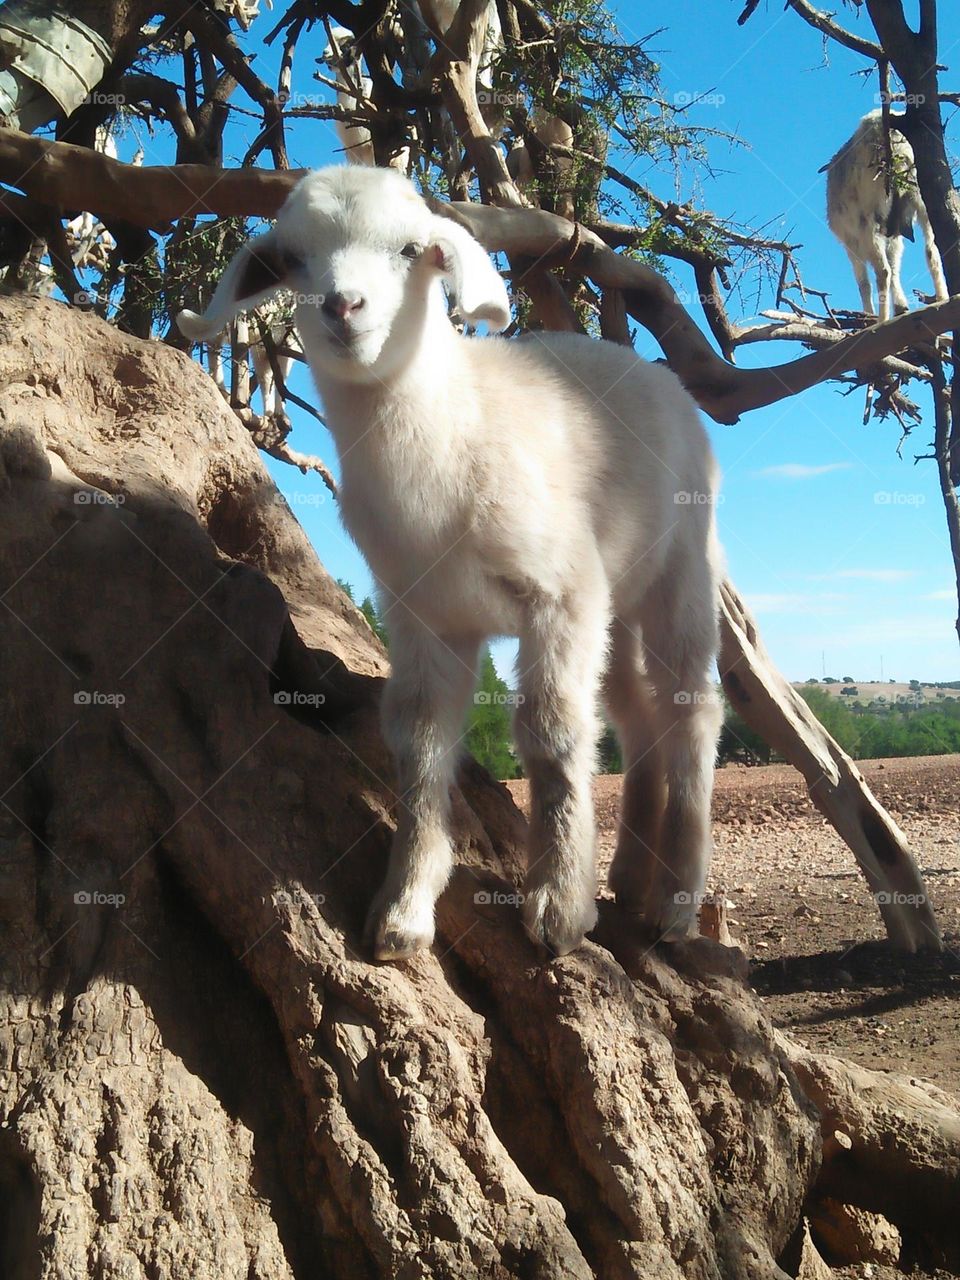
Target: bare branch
{"points": [[224, 46], [824, 23]]}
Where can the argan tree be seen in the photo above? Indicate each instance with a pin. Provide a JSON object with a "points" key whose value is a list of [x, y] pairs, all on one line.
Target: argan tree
{"points": [[201, 1072]]}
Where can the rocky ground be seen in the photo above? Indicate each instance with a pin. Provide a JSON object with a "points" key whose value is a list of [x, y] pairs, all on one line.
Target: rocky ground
{"points": [[807, 922]]}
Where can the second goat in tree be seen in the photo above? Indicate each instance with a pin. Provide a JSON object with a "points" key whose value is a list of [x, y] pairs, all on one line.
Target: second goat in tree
{"points": [[871, 206]]}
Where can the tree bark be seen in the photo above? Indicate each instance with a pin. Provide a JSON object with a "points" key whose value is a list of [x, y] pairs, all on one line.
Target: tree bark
{"points": [[200, 1073]]}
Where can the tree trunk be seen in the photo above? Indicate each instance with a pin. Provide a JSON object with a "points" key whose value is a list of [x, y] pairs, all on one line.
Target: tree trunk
{"points": [[200, 1072]]}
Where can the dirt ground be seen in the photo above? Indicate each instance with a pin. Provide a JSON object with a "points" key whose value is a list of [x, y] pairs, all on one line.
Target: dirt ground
{"points": [[806, 920]]}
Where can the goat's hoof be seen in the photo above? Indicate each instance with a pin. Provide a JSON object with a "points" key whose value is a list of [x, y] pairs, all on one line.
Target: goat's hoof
{"points": [[674, 920], [395, 944], [678, 916], [554, 922], [394, 937]]}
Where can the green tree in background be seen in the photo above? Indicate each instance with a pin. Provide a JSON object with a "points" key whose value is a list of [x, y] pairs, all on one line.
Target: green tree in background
{"points": [[888, 730], [609, 756], [738, 742], [368, 608], [488, 735]]}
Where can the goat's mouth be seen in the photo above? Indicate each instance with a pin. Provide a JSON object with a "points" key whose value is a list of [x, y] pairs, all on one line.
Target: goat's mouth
{"points": [[348, 344]]}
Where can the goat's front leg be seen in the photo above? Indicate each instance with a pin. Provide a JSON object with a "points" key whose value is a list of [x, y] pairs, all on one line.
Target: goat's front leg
{"points": [[561, 662], [422, 715]]}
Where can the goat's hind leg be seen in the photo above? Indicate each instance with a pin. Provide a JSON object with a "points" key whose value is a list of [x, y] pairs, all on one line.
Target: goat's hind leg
{"points": [[631, 708], [863, 282], [681, 648], [934, 261], [901, 303], [423, 712], [561, 660]]}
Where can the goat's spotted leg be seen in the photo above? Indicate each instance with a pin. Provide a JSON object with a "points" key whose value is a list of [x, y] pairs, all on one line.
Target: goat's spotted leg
{"points": [[423, 712]]}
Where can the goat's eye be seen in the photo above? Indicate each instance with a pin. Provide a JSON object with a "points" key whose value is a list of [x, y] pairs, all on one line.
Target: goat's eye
{"points": [[292, 261], [411, 250]]}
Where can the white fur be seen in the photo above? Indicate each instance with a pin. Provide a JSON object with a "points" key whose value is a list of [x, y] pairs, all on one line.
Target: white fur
{"points": [[859, 208], [554, 488], [342, 57]]}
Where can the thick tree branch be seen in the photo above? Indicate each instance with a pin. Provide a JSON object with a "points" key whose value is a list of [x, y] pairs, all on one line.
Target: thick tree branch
{"points": [[157, 196], [455, 65]]}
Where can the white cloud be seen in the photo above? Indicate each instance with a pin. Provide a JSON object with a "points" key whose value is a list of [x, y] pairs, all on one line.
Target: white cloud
{"points": [[802, 471], [948, 593], [794, 602]]}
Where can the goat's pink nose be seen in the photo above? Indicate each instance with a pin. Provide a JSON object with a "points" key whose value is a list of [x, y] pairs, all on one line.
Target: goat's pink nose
{"points": [[342, 305]]}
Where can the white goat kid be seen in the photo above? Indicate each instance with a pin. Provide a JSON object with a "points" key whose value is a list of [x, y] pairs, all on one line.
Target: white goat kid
{"points": [[555, 488], [871, 220]]}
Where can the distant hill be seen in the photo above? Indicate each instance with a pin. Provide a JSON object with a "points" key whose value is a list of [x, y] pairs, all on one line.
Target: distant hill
{"points": [[893, 692]]}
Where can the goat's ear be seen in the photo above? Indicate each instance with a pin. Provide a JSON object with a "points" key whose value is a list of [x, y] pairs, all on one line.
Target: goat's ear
{"points": [[256, 271], [476, 286]]}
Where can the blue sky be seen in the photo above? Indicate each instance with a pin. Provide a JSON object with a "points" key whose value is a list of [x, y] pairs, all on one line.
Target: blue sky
{"points": [[839, 545]]}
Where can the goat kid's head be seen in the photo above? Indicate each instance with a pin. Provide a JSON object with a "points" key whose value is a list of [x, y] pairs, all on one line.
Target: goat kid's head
{"points": [[364, 257]]}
